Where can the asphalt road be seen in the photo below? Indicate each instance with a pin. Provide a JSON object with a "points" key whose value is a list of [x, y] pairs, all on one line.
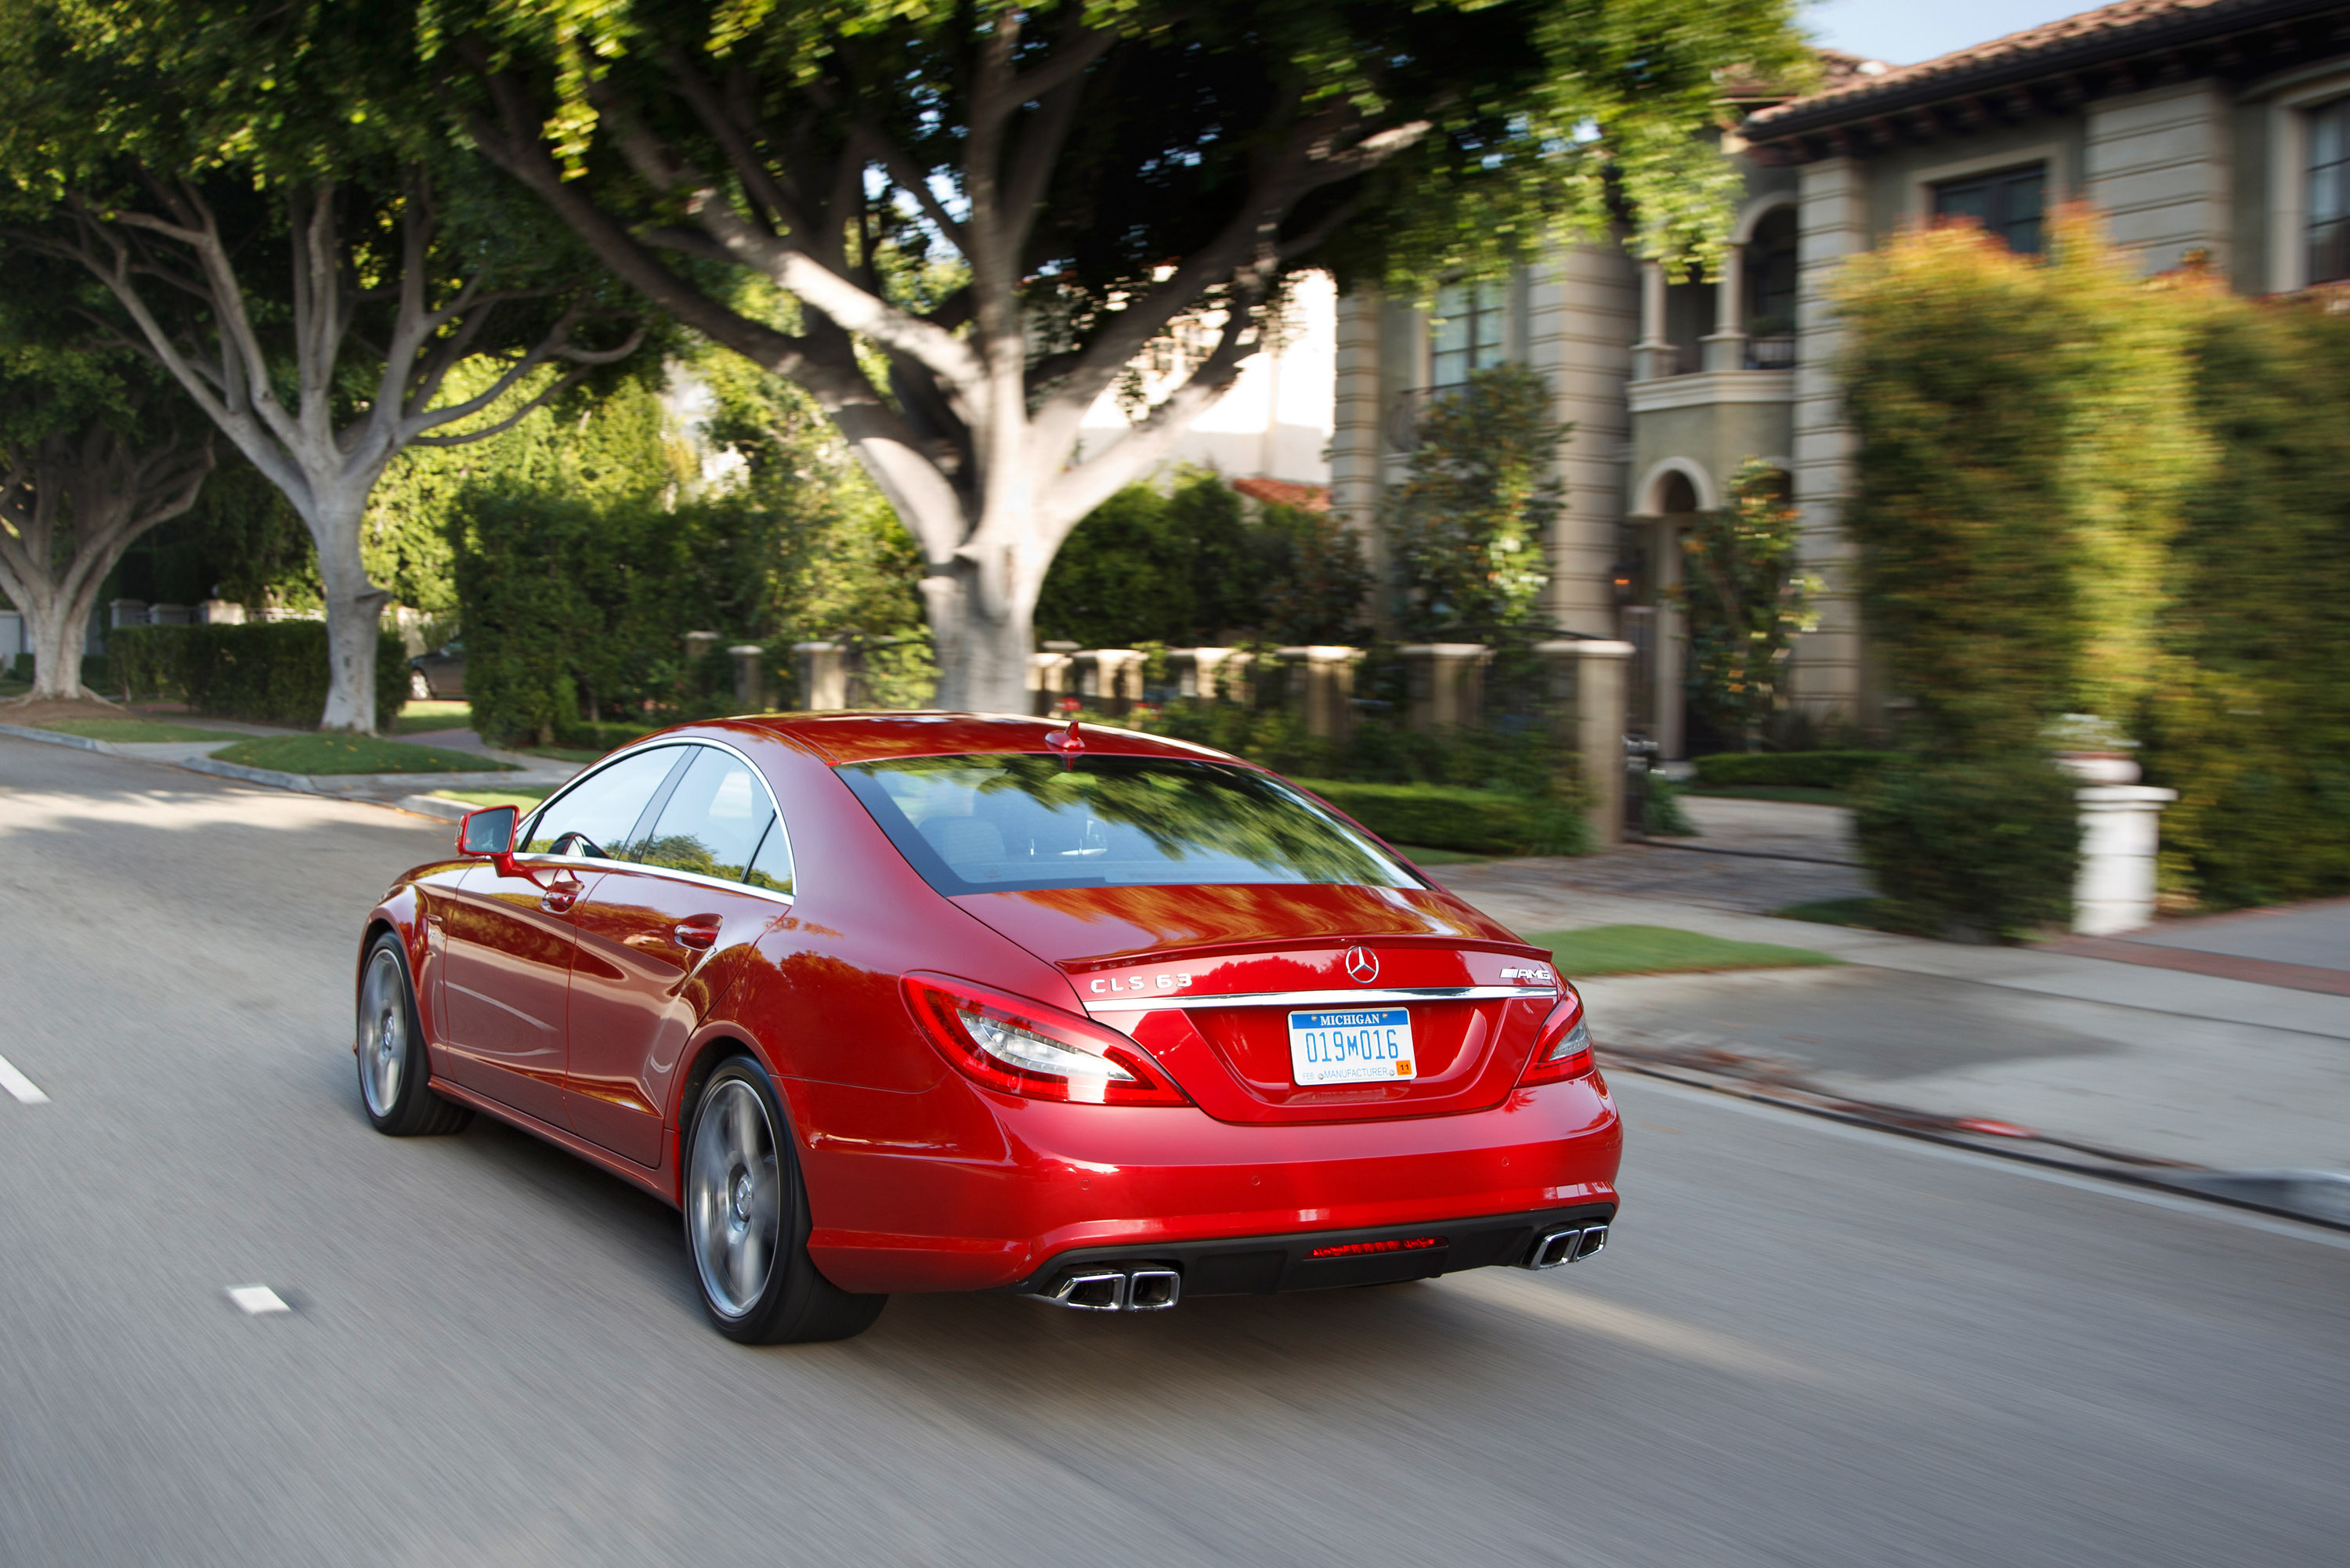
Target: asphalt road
{"points": [[1805, 1345]]}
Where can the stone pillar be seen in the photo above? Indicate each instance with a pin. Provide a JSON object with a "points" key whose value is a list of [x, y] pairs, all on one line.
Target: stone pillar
{"points": [[12, 637], [750, 676], [169, 615], [1445, 683], [700, 644], [1587, 700], [227, 612], [822, 671], [1832, 214], [1049, 677], [1652, 356], [1223, 673], [126, 612], [1725, 346], [1322, 688]]}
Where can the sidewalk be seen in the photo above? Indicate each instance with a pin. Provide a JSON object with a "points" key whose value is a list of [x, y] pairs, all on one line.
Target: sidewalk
{"points": [[2150, 1065]]}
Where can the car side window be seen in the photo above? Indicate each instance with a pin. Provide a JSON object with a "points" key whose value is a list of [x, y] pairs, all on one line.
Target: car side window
{"points": [[771, 867], [714, 821], [596, 816]]}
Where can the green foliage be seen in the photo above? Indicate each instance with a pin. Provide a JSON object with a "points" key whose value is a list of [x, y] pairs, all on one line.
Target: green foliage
{"points": [[1449, 817], [1661, 815], [2026, 447], [270, 672], [580, 567], [1983, 847], [2252, 726], [1812, 770], [1746, 601], [1465, 529], [1188, 566]]}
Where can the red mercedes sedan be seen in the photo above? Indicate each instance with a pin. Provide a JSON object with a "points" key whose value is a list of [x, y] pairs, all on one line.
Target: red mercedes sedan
{"points": [[930, 1002]]}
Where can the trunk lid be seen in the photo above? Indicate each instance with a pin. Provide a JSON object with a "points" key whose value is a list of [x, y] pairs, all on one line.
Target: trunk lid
{"points": [[1207, 977]]}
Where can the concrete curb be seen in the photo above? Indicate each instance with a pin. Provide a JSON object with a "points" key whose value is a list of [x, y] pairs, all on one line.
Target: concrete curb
{"points": [[57, 738], [430, 806]]}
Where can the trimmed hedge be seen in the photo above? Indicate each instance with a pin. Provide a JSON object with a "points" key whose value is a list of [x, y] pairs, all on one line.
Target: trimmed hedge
{"points": [[1805, 769], [1979, 847], [1446, 816], [271, 672]]}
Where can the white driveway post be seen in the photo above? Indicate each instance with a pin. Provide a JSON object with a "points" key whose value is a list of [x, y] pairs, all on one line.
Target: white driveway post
{"points": [[823, 675]]}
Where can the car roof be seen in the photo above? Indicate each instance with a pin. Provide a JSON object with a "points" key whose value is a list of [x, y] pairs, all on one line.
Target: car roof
{"points": [[863, 737]]}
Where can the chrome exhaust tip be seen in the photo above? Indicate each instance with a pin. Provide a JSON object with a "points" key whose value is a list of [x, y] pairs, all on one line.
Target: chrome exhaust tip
{"points": [[1559, 1245], [1153, 1290], [1594, 1239], [1094, 1290]]}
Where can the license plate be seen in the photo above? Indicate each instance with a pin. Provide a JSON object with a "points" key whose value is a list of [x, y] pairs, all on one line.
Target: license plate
{"points": [[1350, 1045]]}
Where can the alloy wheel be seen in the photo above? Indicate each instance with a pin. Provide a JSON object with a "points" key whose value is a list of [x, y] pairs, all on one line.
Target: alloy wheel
{"points": [[383, 1033], [734, 1197]]}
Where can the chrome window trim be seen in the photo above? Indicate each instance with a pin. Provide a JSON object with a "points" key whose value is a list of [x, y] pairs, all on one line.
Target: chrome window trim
{"points": [[1159, 1003], [521, 830]]}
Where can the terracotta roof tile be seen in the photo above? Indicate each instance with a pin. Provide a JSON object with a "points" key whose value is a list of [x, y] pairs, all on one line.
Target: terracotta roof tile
{"points": [[1286, 492], [2114, 22]]}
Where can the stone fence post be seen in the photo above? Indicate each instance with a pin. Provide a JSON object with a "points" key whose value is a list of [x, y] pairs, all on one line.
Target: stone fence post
{"points": [[126, 612], [1586, 695], [750, 676], [1050, 674], [1322, 688], [822, 671], [2121, 832], [1110, 678], [1205, 674], [1444, 683]]}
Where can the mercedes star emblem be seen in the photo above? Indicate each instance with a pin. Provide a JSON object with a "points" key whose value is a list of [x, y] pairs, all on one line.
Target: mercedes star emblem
{"points": [[1363, 965]]}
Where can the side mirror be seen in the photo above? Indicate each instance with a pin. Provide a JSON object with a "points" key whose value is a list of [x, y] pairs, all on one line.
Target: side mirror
{"points": [[489, 832]]}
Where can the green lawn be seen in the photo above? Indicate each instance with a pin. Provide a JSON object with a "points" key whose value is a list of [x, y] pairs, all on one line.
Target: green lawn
{"points": [[1661, 949], [431, 713], [136, 732], [523, 795], [353, 754], [563, 754], [1801, 795]]}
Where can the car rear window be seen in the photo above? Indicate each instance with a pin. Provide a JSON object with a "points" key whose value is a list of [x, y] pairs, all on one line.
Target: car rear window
{"points": [[1003, 822]]}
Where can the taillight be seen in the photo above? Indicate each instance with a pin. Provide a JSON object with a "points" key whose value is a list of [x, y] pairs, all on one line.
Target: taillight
{"points": [[1024, 1047], [1563, 1049]]}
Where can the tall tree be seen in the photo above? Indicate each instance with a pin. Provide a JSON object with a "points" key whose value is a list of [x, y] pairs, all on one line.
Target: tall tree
{"points": [[95, 449], [252, 191], [1095, 178]]}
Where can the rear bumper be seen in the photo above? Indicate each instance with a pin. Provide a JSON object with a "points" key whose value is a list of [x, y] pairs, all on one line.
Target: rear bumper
{"points": [[984, 1191], [1263, 1265]]}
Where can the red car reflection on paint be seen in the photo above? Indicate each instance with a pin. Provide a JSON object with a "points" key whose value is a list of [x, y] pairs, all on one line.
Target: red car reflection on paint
{"points": [[921, 1002]]}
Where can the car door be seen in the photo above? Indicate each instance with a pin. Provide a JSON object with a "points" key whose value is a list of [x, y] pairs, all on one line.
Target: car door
{"points": [[506, 970], [661, 940]]}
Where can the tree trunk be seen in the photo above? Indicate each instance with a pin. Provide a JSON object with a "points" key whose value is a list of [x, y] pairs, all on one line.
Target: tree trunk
{"points": [[354, 609], [56, 634], [982, 640]]}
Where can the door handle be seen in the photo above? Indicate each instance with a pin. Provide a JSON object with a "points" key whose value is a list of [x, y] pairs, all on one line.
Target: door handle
{"points": [[698, 938]]}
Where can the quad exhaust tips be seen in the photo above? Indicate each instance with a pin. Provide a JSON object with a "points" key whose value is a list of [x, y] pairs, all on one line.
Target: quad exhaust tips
{"points": [[1561, 1244], [1118, 1289]]}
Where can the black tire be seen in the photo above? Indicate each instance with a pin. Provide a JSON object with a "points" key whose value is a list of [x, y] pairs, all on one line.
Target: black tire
{"points": [[747, 1220], [391, 1058]]}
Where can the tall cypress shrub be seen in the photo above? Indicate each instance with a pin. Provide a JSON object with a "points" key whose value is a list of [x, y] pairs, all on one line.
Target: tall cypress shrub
{"points": [[2252, 726], [2026, 443]]}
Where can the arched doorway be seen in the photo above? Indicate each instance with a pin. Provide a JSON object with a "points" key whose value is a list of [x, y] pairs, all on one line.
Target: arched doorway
{"points": [[1669, 498]]}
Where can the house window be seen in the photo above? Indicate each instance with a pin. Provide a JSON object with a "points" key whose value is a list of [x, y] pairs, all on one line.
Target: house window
{"points": [[1467, 332], [2329, 192], [2008, 204]]}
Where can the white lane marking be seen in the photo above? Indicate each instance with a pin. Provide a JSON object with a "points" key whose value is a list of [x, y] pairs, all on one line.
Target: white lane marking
{"points": [[18, 1085], [257, 1299]]}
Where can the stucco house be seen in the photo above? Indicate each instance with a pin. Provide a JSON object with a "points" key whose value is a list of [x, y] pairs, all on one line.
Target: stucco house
{"points": [[2211, 130]]}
